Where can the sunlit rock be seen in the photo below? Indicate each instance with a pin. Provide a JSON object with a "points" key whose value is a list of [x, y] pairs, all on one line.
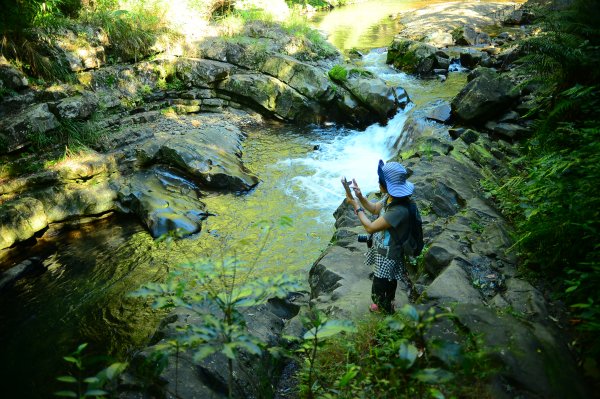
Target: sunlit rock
{"points": [[412, 56], [164, 202], [486, 96], [77, 107], [10, 77], [209, 155], [75, 200], [20, 220]]}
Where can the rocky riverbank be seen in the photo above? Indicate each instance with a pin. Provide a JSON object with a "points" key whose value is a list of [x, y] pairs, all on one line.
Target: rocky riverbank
{"points": [[171, 126], [164, 146]]}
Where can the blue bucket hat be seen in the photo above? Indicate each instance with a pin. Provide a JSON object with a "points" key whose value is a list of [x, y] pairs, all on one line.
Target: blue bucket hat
{"points": [[394, 175]]}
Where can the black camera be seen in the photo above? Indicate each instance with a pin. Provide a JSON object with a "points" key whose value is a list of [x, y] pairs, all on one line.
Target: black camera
{"points": [[368, 238]]}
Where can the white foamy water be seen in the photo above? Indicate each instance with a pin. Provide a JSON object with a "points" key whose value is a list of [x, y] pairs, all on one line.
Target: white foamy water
{"points": [[350, 153]]}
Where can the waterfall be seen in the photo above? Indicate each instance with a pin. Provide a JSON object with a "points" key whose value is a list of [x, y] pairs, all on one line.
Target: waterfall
{"points": [[345, 152]]}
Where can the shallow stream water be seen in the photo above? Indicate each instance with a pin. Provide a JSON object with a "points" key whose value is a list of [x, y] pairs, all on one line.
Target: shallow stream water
{"points": [[82, 295]]}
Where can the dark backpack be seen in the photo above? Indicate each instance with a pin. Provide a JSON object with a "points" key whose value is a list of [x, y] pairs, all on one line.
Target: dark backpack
{"points": [[412, 242]]}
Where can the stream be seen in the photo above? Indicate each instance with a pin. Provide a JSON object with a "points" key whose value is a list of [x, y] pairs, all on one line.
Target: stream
{"points": [[81, 292]]}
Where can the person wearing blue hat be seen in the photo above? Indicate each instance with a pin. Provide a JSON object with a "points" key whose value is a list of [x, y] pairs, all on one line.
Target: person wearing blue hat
{"points": [[385, 254]]}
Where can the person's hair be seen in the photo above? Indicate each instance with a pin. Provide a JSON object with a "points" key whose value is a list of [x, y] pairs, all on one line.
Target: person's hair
{"points": [[382, 183]]}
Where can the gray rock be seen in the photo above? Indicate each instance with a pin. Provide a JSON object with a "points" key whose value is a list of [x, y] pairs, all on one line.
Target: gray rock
{"points": [[453, 285], [439, 255], [164, 202], [507, 130], [304, 78], [518, 17], [469, 136], [77, 107], [14, 131], [441, 113], [412, 56], [483, 98], [468, 36], [209, 154], [535, 360], [74, 200], [373, 93], [10, 77], [525, 299], [439, 39], [270, 94], [20, 219], [202, 73], [473, 58]]}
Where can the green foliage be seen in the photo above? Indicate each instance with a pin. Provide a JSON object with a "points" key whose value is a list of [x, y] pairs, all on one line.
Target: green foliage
{"points": [[215, 291], [338, 73], [319, 329], [552, 199], [88, 387], [391, 358]]}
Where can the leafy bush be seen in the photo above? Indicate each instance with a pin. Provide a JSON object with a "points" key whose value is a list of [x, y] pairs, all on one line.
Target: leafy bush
{"points": [[552, 199], [390, 357]]}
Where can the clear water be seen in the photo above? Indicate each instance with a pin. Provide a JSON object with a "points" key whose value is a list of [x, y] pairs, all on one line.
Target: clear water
{"points": [[82, 295]]}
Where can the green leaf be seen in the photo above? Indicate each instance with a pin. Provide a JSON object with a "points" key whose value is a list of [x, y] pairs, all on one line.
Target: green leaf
{"points": [[395, 324], [330, 328], [433, 376], [67, 378], [71, 359], [251, 347], [436, 393], [448, 352], [95, 392], [348, 376], [408, 354], [203, 352], [228, 351], [571, 288], [410, 311], [115, 369], [92, 380], [66, 394], [81, 347]]}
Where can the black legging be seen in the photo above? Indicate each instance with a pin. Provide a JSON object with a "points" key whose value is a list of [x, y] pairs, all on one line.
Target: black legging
{"points": [[383, 293]]}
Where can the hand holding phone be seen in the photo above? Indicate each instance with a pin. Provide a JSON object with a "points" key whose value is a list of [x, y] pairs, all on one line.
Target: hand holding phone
{"points": [[347, 187]]}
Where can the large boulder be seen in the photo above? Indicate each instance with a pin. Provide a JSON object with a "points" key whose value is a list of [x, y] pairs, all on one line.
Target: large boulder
{"points": [[535, 360], [163, 201], [412, 56], [271, 95], [16, 131], [201, 73], [10, 77], [73, 200], [208, 154], [374, 94], [454, 285], [77, 107], [308, 80], [484, 97], [469, 36], [20, 220]]}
